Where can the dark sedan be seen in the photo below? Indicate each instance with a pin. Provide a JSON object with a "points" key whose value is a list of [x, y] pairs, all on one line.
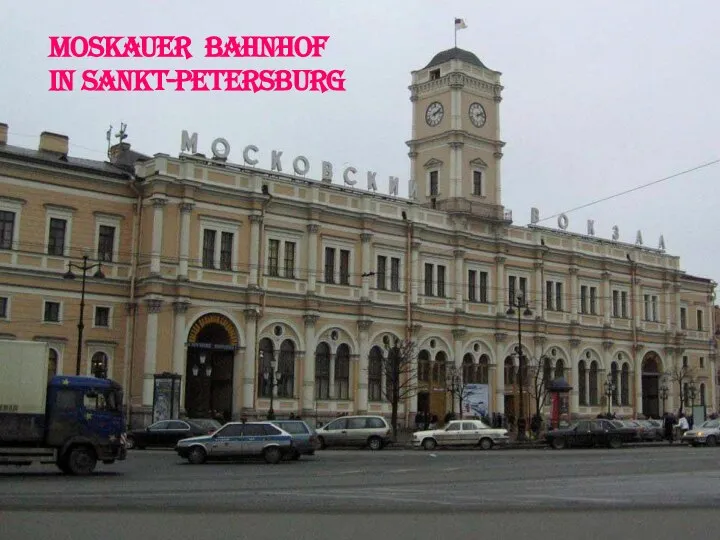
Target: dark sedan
{"points": [[589, 433], [167, 433]]}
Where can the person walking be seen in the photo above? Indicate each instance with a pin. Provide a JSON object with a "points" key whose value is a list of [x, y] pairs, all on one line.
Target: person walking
{"points": [[682, 425], [668, 425]]}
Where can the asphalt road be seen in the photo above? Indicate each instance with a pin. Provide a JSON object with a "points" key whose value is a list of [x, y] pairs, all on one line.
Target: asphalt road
{"points": [[660, 492]]}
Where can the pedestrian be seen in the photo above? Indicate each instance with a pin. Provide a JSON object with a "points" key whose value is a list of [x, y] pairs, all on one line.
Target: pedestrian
{"points": [[682, 425], [668, 424]]}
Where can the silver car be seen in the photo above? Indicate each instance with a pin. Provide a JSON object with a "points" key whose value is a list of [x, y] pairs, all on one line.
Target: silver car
{"points": [[371, 431], [707, 433], [238, 439], [461, 433]]}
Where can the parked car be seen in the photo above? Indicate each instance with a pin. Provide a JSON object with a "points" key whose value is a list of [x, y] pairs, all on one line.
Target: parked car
{"points": [[653, 430], [707, 433], [371, 431], [238, 439], [589, 433], [461, 433], [167, 433], [304, 437]]}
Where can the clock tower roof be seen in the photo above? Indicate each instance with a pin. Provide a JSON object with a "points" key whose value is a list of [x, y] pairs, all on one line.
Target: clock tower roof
{"points": [[455, 54]]}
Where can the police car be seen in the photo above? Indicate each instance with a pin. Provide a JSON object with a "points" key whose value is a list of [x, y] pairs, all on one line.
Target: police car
{"points": [[238, 439]]}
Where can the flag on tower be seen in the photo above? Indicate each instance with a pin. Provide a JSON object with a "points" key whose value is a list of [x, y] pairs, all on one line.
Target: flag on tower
{"points": [[460, 24]]}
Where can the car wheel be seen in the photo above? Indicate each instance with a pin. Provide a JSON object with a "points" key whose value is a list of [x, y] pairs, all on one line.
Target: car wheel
{"points": [[375, 443], [130, 443], [272, 455], [429, 444], [485, 444], [615, 442], [558, 444], [197, 455], [711, 440], [321, 443]]}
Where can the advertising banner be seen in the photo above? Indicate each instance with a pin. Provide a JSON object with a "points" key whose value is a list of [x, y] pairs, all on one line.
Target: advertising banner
{"points": [[476, 400]]}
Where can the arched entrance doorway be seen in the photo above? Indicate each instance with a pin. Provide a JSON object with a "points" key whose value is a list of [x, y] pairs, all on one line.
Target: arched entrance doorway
{"points": [[211, 346], [651, 385]]}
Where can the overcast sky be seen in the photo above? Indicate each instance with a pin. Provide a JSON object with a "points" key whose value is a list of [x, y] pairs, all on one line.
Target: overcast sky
{"points": [[600, 96]]}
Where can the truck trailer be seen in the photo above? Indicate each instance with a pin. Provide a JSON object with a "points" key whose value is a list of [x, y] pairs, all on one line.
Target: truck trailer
{"points": [[70, 421]]}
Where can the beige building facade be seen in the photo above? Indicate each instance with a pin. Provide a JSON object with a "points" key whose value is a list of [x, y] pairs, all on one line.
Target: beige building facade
{"points": [[212, 269]]}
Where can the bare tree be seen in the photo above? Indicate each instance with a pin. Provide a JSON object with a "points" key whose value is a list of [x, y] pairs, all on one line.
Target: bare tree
{"points": [[538, 379], [457, 386], [398, 369], [680, 375]]}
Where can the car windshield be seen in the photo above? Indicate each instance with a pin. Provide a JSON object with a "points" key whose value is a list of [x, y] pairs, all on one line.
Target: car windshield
{"points": [[710, 424]]}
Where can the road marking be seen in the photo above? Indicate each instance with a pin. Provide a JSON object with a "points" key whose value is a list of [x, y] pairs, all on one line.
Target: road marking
{"points": [[453, 469], [397, 471], [578, 499]]}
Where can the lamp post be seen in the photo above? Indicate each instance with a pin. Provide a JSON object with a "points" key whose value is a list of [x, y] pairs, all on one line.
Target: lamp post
{"points": [[85, 267], [273, 377], [198, 370], [664, 394], [454, 387], [609, 391], [520, 303]]}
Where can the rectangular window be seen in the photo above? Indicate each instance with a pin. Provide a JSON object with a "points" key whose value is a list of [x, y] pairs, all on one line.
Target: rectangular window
{"points": [[428, 279], [683, 318], [559, 304], [523, 288], [472, 285], [685, 361], [106, 243], [7, 228], [52, 312], [654, 308], [477, 183], [226, 244], [616, 303], [624, 304], [56, 236], [549, 295], [209, 248], [380, 272], [274, 257], [646, 298], [329, 265], [699, 315], [344, 267], [3, 308], [102, 317], [290, 260], [702, 362], [511, 289], [441, 281], [434, 184], [484, 287], [583, 299], [593, 300], [395, 274]]}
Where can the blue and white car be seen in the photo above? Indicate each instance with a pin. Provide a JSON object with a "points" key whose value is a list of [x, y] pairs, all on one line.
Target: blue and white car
{"points": [[238, 439]]}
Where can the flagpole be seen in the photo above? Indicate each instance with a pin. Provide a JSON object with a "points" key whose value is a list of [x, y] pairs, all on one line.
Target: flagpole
{"points": [[455, 25]]}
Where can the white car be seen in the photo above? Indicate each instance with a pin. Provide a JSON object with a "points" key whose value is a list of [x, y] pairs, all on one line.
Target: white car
{"points": [[461, 433]]}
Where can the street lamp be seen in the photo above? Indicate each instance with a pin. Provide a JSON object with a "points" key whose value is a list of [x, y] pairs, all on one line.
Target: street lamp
{"points": [[85, 267], [207, 368], [198, 370], [273, 377], [609, 391], [664, 390], [520, 303]]}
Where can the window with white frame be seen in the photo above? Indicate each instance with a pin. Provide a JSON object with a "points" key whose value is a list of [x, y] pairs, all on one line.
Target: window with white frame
{"points": [[4, 307], [10, 210], [52, 311], [107, 237], [517, 285], [282, 257], [478, 183], [478, 285], [435, 279], [387, 271], [337, 263], [58, 230], [102, 317], [218, 246], [554, 300], [651, 307], [620, 304]]}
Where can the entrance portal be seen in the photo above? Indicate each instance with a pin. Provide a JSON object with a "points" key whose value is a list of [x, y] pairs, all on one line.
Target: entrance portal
{"points": [[209, 369], [651, 385]]}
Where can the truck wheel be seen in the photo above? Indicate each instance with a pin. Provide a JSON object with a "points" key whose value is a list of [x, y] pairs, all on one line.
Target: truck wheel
{"points": [[81, 461], [272, 455]]}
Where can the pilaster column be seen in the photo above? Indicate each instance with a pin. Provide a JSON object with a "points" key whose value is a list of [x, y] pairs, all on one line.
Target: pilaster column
{"points": [[153, 306], [180, 307], [667, 315], [498, 181], [607, 298], [249, 367], [459, 281], [500, 339], [500, 285], [255, 223], [366, 238], [331, 386], [538, 275], [273, 384], [670, 361], [637, 366], [185, 213], [676, 308], [712, 360], [383, 377], [573, 307], [458, 337], [308, 383], [312, 247], [363, 365], [639, 302], [157, 234], [415, 271], [455, 184]]}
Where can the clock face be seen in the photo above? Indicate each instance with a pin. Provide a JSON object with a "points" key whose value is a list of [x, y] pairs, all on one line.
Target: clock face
{"points": [[477, 115], [434, 113]]}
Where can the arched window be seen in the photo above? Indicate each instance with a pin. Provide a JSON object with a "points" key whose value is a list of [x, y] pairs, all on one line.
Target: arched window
{"points": [[286, 366], [322, 371], [99, 365], [614, 372], [267, 351], [559, 369], [547, 372], [439, 367], [483, 369], [468, 369], [52, 363], [625, 385], [509, 372], [594, 383], [582, 383], [342, 372], [375, 372], [424, 366]]}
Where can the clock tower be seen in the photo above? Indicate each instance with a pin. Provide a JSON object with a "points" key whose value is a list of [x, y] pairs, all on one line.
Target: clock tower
{"points": [[455, 149]]}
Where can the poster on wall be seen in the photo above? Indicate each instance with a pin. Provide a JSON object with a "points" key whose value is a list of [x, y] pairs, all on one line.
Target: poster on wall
{"points": [[476, 400], [166, 397]]}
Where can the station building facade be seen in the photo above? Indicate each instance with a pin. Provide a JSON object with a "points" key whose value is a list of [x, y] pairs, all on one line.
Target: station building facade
{"points": [[214, 270]]}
